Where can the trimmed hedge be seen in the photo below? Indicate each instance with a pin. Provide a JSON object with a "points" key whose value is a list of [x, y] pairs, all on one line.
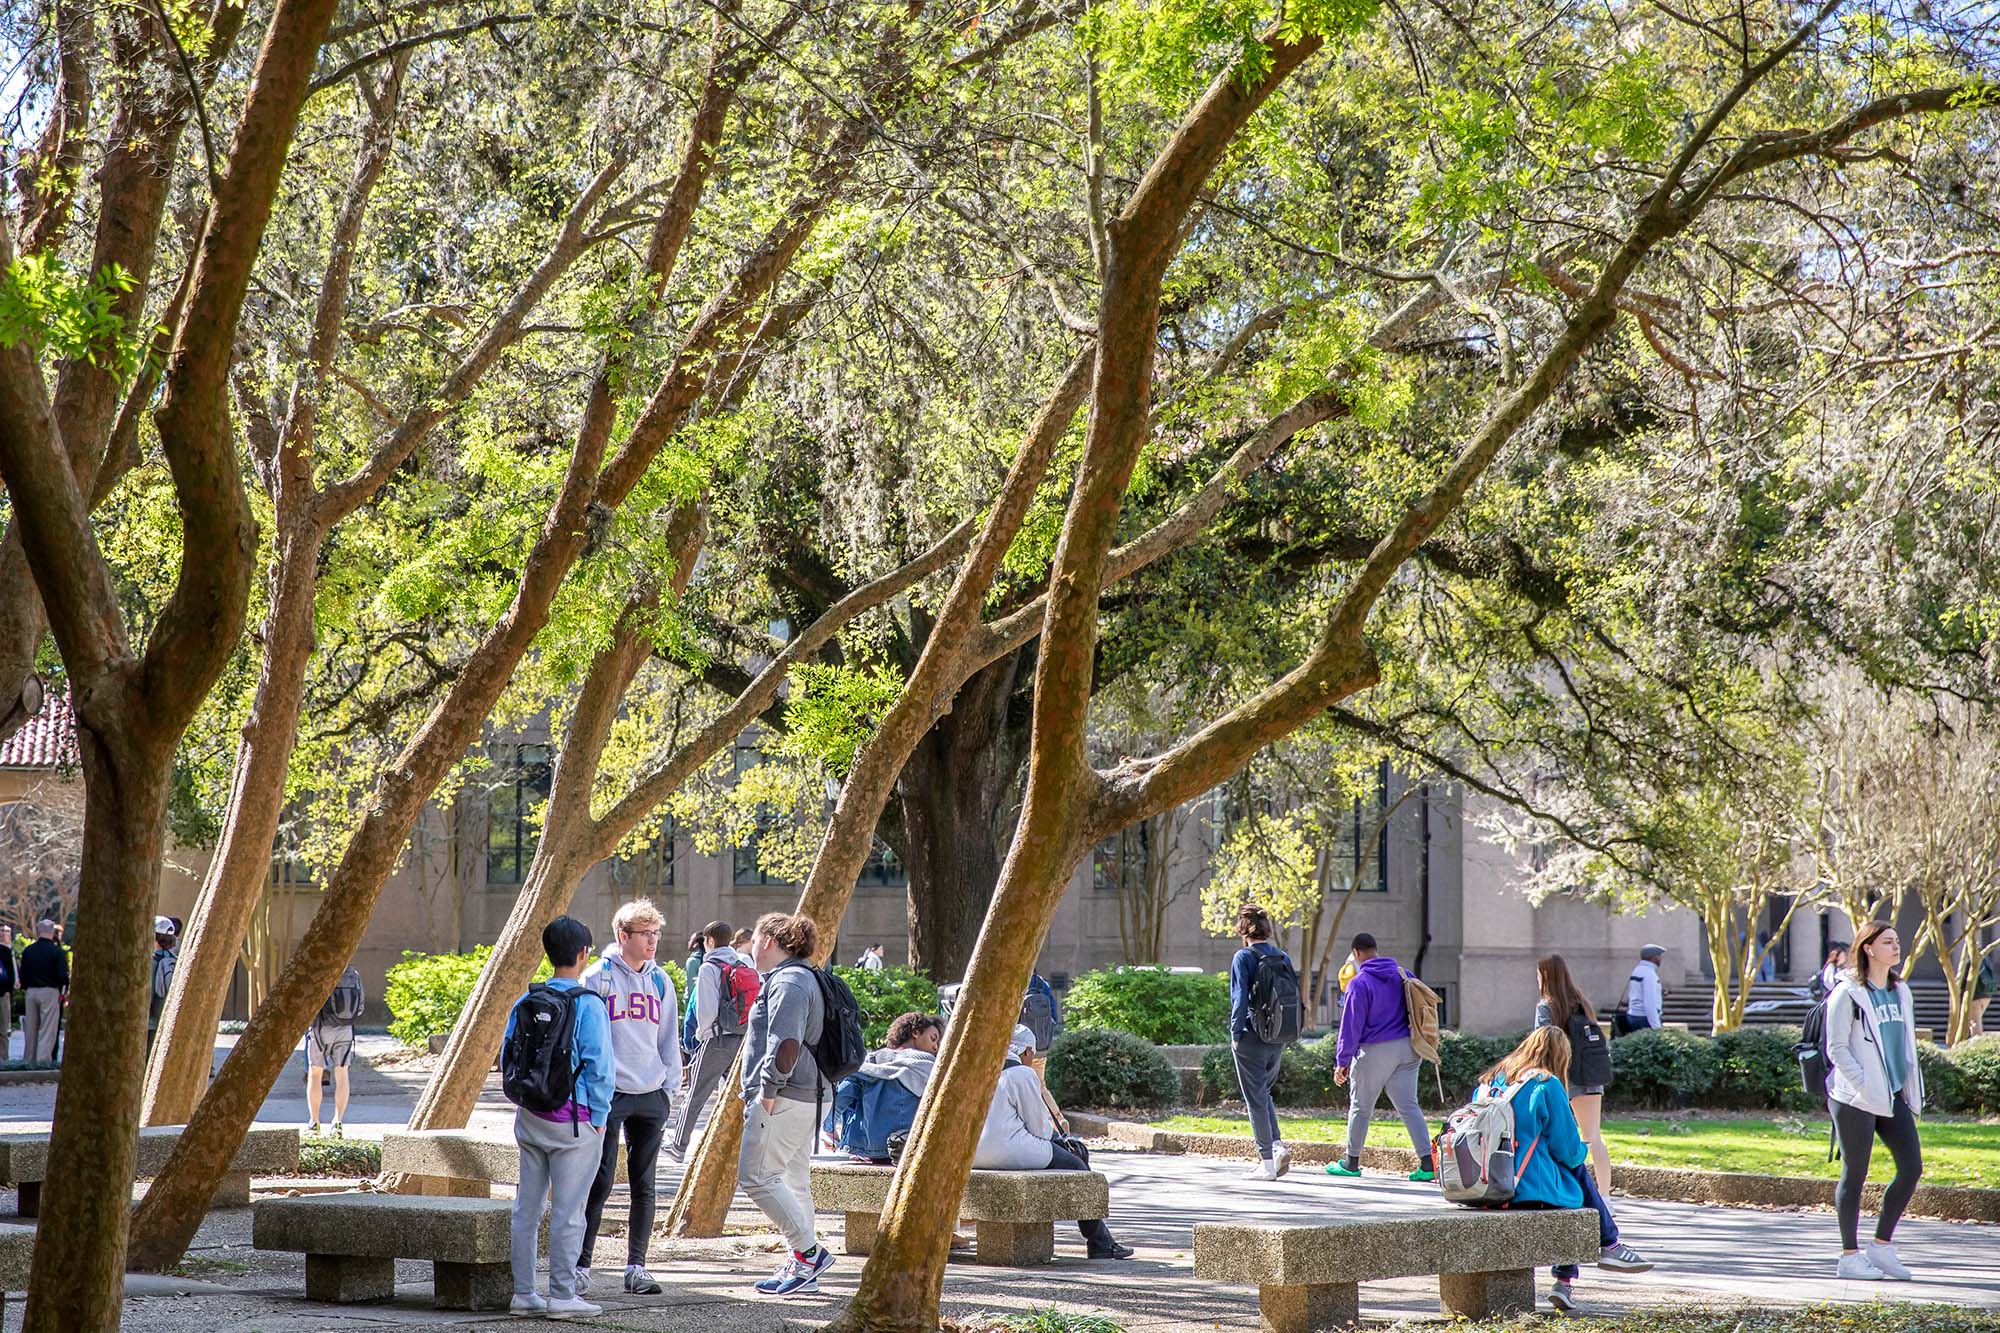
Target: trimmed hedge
{"points": [[1104, 1067], [1305, 1073], [1170, 1008], [1978, 1061], [886, 994], [1758, 1070]]}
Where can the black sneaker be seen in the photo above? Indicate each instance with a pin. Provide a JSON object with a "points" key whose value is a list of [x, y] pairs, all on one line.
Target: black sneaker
{"points": [[1112, 1251], [639, 1282]]}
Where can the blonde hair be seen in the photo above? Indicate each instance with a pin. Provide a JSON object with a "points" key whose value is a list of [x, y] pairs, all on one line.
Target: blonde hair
{"points": [[1545, 1049], [636, 915]]}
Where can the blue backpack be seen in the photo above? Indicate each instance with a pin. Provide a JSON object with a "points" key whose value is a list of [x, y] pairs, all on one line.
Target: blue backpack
{"points": [[866, 1111]]}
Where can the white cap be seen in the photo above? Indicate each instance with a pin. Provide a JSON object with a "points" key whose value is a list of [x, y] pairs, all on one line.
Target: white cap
{"points": [[163, 925], [1022, 1040]]}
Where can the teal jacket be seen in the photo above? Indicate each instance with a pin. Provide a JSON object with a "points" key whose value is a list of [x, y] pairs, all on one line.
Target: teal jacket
{"points": [[1545, 1124]]}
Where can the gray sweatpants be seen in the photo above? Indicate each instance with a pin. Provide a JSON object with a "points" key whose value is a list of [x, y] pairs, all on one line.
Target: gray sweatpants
{"points": [[558, 1164], [44, 1013], [1389, 1066], [711, 1062], [774, 1166]]}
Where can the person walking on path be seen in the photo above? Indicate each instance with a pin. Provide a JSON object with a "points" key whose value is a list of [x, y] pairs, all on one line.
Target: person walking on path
{"points": [[1563, 1005], [1984, 984], [725, 986], [1645, 998], [644, 1014], [871, 959], [7, 986], [558, 1156], [330, 1046], [166, 953], [1553, 1166], [1877, 1090], [44, 978], [781, 1085], [1256, 1059], [1375, 1054]]}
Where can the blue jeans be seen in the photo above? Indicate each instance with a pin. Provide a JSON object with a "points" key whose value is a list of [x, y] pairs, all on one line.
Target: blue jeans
{"points": [[1256, 1071], [1607, 1230]]}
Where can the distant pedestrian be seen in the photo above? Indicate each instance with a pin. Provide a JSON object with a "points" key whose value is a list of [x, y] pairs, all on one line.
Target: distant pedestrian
{"points": [[1261, 971], [724, 985], [44, 975], [1829, 972], [646, 1050], [871, 958], [1375, 1054], [166, 953], [1555, 1176], [1563, 1005], [741, 942], [8, 982], [781, 1085], [556, 1067], [330, 1047], [1767, 958], [1877, 1090], [1644, 1005], [1984, 984]]}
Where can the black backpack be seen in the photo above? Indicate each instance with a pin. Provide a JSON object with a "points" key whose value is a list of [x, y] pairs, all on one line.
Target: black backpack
{"points": [[1589, 1053], [1038, 1011], [1815, 1065], [345, 1004], [538, 1064], [840, 1047], [1276, 1012]]}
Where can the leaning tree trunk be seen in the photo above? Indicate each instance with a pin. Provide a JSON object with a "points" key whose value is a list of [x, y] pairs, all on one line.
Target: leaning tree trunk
{"points": [[952, 791]]}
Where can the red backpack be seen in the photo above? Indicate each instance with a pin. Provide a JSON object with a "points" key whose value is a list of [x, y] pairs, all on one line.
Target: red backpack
{"points": [[737, 987]]}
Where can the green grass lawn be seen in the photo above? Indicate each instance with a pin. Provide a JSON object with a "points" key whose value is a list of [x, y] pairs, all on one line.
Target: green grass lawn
{"points": [[1956, 1152]]}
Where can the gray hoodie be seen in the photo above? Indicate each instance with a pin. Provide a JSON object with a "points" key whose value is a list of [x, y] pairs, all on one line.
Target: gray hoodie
{"points": [[707, 986], [645, 1027], [788, 1008]]}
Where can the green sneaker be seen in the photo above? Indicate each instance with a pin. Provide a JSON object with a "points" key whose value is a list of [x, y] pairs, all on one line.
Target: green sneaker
{"points": [[1341, 1169], [1423, 1176]]}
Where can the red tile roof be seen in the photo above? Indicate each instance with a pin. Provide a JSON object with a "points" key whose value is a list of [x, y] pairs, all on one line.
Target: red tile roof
{"points": [[46, 740]]}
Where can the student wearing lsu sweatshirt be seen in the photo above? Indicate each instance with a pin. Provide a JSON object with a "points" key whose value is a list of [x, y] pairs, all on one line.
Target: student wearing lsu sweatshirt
{"points": [[645, 1044]]}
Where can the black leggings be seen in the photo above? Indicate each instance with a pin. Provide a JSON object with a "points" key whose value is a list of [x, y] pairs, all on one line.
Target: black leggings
{"points": [[643, 1117], [1857, 1130]]}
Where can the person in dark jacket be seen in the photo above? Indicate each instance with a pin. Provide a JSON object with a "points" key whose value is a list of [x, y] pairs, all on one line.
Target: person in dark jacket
{"points": [[44, 977], [1375, 1052], [1256, 1059], [6, 991]]}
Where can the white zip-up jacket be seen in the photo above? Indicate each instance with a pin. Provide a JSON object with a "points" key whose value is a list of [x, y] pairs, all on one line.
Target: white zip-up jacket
{"points": [[1854, 1045]]}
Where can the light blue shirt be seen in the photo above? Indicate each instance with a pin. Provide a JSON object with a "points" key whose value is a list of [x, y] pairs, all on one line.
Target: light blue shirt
{"points": [[592, 1049]]}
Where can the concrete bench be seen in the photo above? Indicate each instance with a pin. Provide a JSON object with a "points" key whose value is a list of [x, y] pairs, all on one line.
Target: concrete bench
{"points": [[352, 1241], [1307, 1276], [267, 1150], [17, 1254], [455, 1163], [1015, 1212]]}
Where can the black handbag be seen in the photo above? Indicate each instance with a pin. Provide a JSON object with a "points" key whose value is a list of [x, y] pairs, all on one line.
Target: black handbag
{"points": [[1070, 1143]]}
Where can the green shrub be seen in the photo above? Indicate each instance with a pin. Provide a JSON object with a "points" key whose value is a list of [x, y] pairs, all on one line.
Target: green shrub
{"points": [[678, 976], [320, 1155], [1758, 1070], [1946, 1087], [887, 993], [426, 992], [1102, 1067], [1978, 1063], [1305, 1074], [1171, 1008], [1218, 1076], [1662, 1067], [1462, 1058]]}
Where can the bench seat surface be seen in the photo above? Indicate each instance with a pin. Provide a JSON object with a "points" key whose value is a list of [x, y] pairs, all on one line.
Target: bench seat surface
{"points": [[267, 1150], [1411, 1242], [990, 1196], [385, 1226], [459, 1154]]}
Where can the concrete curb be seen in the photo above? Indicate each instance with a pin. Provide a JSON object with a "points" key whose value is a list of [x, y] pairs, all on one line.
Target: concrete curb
{"points": [[13, 1076], [1950, 1203]]}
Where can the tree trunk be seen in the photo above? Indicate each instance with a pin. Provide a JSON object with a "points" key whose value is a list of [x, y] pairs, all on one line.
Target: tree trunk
{"points": [[80, 1249], [184, 1050], [953, 793]]}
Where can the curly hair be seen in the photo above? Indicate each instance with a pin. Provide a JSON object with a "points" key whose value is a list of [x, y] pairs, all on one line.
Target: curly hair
{"points": [[796, 935], [906, 1028]]}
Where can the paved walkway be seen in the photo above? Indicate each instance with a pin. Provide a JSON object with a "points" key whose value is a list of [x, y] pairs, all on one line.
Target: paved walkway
{"points": [[1706, 1255]]}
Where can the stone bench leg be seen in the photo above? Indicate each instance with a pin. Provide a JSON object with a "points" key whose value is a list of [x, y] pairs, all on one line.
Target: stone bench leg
{"points": [[233, 1191], [858, 1235], [1487, 1295], [29, 1194], [1015, 1244], [445, 1187], [1316, 1307], [344, 1279], [472, 1286]]}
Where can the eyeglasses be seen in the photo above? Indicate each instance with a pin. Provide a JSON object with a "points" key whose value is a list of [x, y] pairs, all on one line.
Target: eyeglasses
{"points": [[643, 934]]}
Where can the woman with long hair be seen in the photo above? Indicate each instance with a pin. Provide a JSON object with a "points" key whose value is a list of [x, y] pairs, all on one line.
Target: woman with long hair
{"points": [[1550, 1157], [1562, 1005], [1876, 1091]]}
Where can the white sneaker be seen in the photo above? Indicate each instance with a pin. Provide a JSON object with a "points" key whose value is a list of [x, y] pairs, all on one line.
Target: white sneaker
{"points": [[1856, 1268], [1264, 1170], [573, 1307], [530, 1306], [1882, 1256], [1281, 1158]]}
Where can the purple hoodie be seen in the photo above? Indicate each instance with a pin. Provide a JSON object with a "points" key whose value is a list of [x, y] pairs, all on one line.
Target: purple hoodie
{"points": [[1374, 1008]]}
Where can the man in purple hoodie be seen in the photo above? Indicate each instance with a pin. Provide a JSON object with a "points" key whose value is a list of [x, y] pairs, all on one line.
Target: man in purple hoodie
{"points": [[1375, 1055]]}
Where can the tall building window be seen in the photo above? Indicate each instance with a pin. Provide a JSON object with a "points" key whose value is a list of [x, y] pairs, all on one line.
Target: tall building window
{"points": [[1368, 857], [652, 866], [521, 786], [748, 873], [1119, 862], [884, 869]]}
